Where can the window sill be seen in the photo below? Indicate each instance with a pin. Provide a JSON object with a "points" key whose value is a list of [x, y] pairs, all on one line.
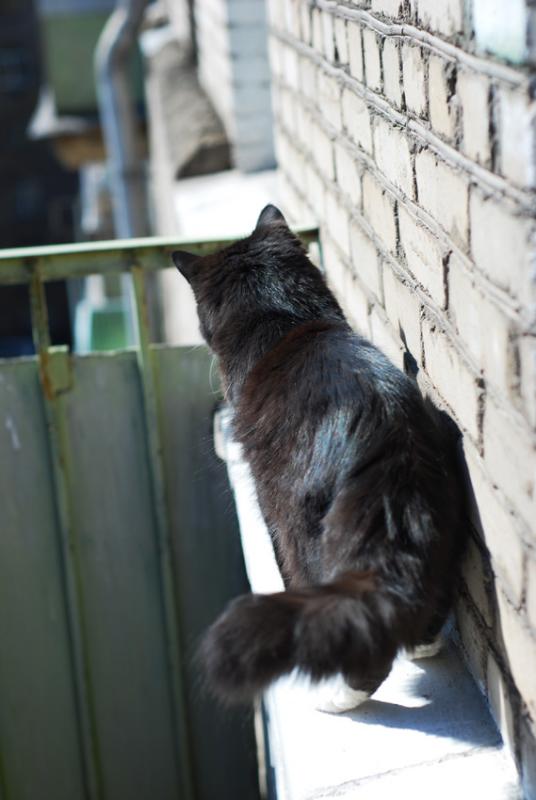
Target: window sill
{"points": [[426, 732]]}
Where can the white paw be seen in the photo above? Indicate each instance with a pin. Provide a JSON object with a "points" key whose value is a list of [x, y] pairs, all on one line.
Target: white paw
{"points": [[425, 650], [336, 697]]}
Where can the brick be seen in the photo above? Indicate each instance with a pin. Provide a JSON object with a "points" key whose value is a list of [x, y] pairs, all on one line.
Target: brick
{"points": [[291, 15], [509, 455], [291, 202], [306, 23], [365, 260], [373, 68], [341, 40], [323, 152], [474, 92], [335, 268], [291, 70], [413, 72], [328, 36], [348, 176], [316, 191], [393, 156], [500, 243], [476, 572], [499, 528], [499, 700], [444, 17], [355, 50], [357, 306], [338, 223], [517, 138], [317, 31], [275, 53], [531, 592], [485, 329], [385, 338], [443, 101], [424, 255], [329, 99], [452, 378], [443, 192], [392, 75], [520, 650], [404, 310], [309, 73], [356, 119], [287, 111], [304, 125], [379, 209], [390, 8]]}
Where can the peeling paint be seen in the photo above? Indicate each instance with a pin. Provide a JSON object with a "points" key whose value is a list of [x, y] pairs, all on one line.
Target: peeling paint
{"points": [[12, 430]]}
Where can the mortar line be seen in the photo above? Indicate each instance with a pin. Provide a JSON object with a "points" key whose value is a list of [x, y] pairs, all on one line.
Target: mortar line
{"points": [[526, 199], [404, 30]]}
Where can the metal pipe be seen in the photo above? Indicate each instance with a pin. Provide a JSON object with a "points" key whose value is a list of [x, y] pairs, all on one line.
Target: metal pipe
{"points": [[118, 117]]}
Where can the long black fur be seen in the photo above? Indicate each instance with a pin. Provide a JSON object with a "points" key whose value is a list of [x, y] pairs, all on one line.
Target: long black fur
{"points": [[355, 473]]}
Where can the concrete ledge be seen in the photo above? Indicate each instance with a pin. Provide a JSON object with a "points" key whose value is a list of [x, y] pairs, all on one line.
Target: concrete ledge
{"points": [[425, 733]]}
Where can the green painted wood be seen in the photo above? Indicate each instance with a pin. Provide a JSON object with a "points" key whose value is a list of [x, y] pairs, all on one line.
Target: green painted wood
{"points": [[39, 743], [208, 562], [118, 557], [58, 262]]}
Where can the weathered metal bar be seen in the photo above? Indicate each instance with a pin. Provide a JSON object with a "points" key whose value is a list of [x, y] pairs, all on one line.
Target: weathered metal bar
{"points": [[59, 262], [54, 376], [153, 434]]}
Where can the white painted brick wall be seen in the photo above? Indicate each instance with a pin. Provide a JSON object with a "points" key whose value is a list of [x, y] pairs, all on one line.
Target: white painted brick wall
{"points": [[443, 193], [348, 174], [365, 260], [357, 119], [371, 52], [473, 93], [379, 209], [500, 242], [355, 50], [393, 155], [392, 76], [413, 71], [422, 177], [443, 102], [424, 255], [232, 51], [443, 16]]}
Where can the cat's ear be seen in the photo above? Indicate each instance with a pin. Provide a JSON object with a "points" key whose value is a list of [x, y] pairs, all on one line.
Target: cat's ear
{"points": [[185, 262], [268, 215]]}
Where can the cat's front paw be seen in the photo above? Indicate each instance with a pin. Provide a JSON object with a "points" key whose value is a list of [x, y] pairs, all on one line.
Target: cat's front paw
{"points": [[335, 696]]}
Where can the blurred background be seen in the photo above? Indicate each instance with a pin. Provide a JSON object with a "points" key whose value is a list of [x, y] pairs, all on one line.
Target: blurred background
{"points": [[104, 107]]}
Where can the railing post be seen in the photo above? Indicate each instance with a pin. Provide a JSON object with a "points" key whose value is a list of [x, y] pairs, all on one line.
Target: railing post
{"points": [[54, 373], [153, 436]]}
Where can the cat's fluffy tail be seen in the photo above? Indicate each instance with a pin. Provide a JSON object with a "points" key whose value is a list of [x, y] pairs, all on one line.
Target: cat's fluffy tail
{"points": [[345, 626]]}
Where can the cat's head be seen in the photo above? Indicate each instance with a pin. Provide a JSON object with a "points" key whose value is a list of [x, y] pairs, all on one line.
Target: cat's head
{"points": [[265, 275]]}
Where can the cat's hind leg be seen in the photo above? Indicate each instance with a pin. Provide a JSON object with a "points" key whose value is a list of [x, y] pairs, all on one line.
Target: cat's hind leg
{"points": [[343, 693], [335, 696]]}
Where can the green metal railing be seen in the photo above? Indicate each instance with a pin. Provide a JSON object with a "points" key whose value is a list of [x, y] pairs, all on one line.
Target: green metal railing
{"points": [[35, 267]]}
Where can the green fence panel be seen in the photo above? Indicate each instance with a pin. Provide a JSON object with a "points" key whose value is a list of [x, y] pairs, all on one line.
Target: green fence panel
{"points": [[118, 546], [39, 748], [208, 563], [118, 563]]}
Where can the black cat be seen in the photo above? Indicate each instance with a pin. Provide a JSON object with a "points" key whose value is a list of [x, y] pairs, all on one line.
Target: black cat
{"points": [[355, 473]]}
